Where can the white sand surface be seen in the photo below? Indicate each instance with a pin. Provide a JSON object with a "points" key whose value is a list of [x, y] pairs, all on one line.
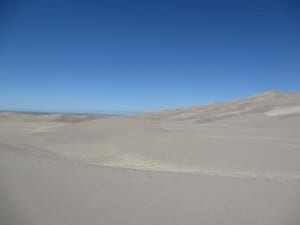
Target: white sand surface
{"points": [[225, 163]]}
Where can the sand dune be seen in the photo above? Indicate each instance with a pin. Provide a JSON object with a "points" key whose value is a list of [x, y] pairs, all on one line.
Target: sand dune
{"points": [[184, 166], [262, 103]]}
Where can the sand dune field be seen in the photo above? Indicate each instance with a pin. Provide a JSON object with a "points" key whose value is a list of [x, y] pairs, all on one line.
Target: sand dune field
{"points": [[224, 163]]}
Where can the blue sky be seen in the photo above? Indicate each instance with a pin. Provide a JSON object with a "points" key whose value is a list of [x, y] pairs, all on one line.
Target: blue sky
{"points": [[124, 56]]}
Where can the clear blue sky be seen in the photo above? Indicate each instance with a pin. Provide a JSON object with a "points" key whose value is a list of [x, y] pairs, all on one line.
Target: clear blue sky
{"points": [[89, 56]]}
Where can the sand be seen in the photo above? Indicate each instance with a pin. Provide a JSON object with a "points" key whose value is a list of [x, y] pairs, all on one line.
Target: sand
{"points": [[225, 163]]}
